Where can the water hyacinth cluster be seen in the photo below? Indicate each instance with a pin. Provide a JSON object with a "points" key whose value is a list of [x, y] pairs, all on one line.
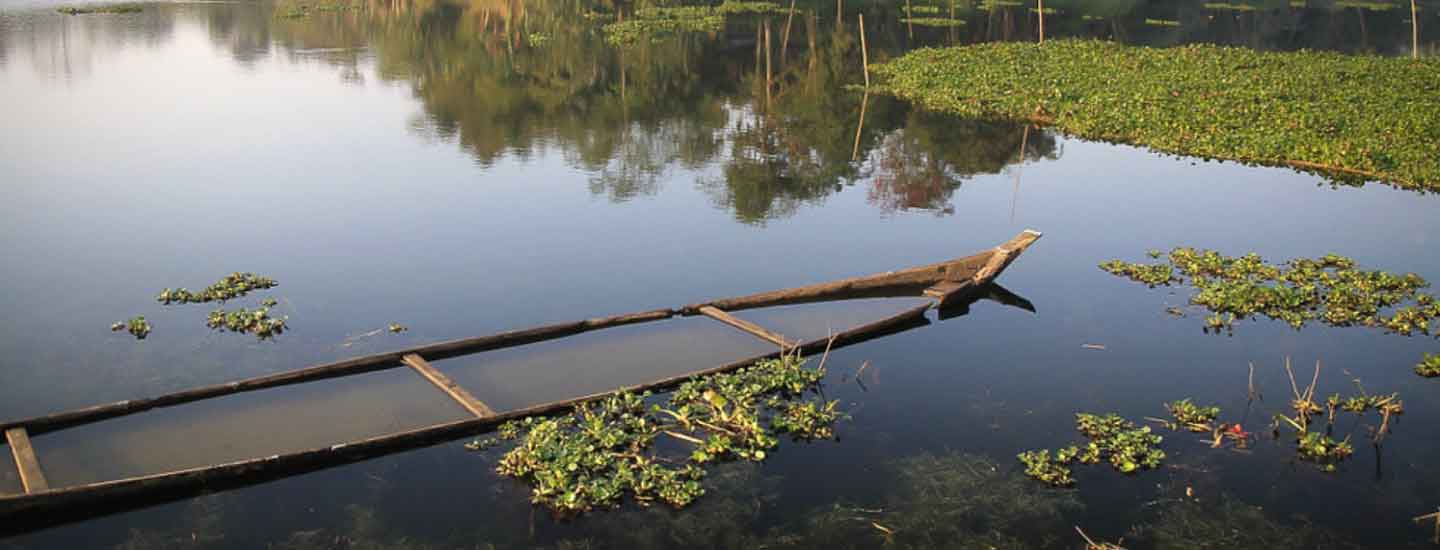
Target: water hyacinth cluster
{"points": [[1429, 367], [1191, 417], [1351, 116], [257, 321], [106, 8], [1322, 450], [656, 23], [607, 449], [234, 285], [933, 21], [1128, 448], [1329, 289], [137, 326]]}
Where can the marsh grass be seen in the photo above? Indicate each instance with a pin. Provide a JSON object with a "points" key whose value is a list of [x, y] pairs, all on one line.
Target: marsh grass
{"points": [[1351, 117]]}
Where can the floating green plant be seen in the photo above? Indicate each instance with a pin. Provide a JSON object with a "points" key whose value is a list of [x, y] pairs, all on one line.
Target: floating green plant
{"points": [[1429, 367], [245, 321], [655, 23], [1329, 289], [1189, 416], [912, 10], [1162, 22], [1219, 6], [1353, 117], [605, 450], [1323, 451], [105, 8], [1128, 448], [234, 285], [136, 326], [302, 10], [934, 21]]}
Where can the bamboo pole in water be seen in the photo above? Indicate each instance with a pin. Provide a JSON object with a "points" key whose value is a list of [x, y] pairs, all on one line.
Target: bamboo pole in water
{"points": [[785, 36], [1041, 4], [1414, 31], [767, 62], [909, 18], [855, 150], [864, 57]]}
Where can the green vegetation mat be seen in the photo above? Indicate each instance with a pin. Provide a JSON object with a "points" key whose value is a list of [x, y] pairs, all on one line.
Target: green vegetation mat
{"points": [[105, 8], [1354, 117]]}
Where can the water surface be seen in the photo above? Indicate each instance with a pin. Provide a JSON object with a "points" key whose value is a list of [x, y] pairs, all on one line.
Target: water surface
{"points": [[442, 166]]}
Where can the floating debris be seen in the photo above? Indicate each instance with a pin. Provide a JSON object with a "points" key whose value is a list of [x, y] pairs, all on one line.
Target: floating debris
{"points": [[137, 327], [1100, 347], [234, 285], [397, 328], [1431, 517], [605, 449], [257, 322], [1090, 544]]}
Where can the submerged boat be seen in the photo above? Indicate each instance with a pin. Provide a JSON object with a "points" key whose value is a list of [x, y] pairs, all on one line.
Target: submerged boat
{"points": [[951, 286]]}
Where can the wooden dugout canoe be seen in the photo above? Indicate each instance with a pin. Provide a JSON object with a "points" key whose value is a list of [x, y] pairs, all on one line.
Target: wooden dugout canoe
{"points": [[953, 285]]}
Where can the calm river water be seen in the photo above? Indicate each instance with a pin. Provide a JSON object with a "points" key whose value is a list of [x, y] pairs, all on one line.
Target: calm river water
{"points": [[466, 168]]}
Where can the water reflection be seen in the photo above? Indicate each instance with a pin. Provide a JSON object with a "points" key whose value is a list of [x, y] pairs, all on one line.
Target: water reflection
{"points": [[761, 130]]}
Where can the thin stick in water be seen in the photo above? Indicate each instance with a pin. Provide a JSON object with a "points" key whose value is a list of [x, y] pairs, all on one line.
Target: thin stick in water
{"points": [[864, 56]]}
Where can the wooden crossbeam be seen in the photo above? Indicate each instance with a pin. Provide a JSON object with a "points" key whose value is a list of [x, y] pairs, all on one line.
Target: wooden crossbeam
{"points": [[752, 328], [948, 291], [459, 394], [31, 477]]}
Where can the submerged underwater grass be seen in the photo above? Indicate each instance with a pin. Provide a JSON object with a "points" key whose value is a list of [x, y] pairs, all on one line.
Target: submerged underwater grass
{"points": [[1371, 117]]}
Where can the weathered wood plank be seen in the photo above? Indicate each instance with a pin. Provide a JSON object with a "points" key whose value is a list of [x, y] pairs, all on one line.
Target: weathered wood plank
{"points": [[455, 391], [31, 476], [747, 326], [980, 267]]}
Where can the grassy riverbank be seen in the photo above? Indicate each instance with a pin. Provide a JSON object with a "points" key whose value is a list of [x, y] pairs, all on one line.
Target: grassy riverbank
{"points": [[1361, 117]]}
